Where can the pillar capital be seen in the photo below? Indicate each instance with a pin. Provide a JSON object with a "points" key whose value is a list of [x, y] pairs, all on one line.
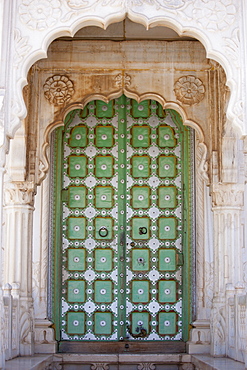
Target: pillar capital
{"points": [[19, 193], [227, 195]]}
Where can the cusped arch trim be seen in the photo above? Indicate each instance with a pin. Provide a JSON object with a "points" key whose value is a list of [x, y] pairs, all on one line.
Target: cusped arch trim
{"points": [[59, 121], [74, 25]]}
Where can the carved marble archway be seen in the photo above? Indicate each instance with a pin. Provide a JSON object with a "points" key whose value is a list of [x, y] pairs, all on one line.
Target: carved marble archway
{"points": [[216, 25], [220, 28]]}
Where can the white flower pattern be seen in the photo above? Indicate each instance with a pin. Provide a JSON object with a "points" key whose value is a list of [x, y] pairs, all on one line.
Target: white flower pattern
{"points": [[40, 14], [214, 15]]}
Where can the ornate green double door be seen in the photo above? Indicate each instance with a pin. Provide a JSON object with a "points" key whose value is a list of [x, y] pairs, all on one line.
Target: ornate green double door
{"points": [[122, 243]]}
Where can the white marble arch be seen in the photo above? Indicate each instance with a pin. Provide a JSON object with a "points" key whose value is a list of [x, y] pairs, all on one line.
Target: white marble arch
{"points": [[218, 28], [221, 30]]}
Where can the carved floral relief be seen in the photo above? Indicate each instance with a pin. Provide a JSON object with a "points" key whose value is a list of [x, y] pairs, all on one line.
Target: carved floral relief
{"points": [[40, 14], [77, 4], [214, 15], [189, 90], [58, 89], [122, 80]]}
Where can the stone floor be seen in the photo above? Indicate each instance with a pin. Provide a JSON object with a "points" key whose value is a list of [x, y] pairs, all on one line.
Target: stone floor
{"points": [[122, 362]]}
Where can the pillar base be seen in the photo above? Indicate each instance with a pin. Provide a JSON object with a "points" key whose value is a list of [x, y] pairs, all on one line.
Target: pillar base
{"points": [[44, 337], [199, 338]]}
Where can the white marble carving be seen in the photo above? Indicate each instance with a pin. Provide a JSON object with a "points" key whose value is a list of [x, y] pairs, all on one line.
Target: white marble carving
{"points": [[28, 28]]}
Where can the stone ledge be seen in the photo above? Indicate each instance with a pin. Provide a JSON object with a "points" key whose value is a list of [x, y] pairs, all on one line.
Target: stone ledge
{"points": [[207, 362], [201, 362], [36, 362]]}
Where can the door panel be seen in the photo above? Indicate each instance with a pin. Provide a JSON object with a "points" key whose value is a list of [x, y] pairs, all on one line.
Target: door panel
{"points": [[122, 226]]}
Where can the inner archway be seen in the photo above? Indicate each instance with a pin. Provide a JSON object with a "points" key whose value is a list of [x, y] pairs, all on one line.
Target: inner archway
{"points": [[80, 70]]}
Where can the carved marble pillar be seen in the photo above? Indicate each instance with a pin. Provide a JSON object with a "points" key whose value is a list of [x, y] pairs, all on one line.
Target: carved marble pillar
{"points": [[200, 334], [43, 333], [3, 150], [18, 255], [227, 209]]}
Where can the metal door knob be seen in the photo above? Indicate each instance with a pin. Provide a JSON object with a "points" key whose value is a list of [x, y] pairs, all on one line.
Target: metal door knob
{"points": [[143, 230], [103, 232]]}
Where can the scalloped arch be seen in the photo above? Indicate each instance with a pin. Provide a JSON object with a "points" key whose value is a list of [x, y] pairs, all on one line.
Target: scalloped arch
{"points": [[106, 98], [111, 19], [72, 27]]}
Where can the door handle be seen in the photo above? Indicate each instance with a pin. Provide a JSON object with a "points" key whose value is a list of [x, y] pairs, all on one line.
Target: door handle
{"points": [[143, 230], [141, 332], [103, 232]]}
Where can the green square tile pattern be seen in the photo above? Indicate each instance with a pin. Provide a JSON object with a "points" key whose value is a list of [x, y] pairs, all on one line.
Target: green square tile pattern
{"points": [[167, 323], [103, 291], [77, 197], [78, 137], [140, 109], [76, 291], [103, 228], [141, 166], [140, 196], [167, 166], [103, 323], [77, 166], [167, 228], [103, 259], [140, 291], [140, 259], [166, 137], [140, 228], [104, 136], [76, 259], [140, 136], [76, 322], [167, 260], [167, 196], [139, 320], [104, 166], [76, 228], [103, 197], [167, 291], [104, 110]]}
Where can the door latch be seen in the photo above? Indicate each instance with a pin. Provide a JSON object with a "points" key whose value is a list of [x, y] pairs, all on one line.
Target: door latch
{"points": [[141, 332]]}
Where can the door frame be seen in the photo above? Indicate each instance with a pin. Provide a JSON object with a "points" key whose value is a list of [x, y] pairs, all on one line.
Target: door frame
{"points": [[188, 279]]}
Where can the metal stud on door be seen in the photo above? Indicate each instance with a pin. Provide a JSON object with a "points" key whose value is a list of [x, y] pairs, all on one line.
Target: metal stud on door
{"points": [[122, 238]]}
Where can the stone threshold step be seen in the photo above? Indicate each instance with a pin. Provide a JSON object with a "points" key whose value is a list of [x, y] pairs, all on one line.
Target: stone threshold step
{"points": [[123, 361]]}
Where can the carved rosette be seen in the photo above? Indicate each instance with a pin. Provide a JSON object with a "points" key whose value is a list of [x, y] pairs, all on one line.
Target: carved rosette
{"points": [[189, 90], [40, 14], [58, 89]]}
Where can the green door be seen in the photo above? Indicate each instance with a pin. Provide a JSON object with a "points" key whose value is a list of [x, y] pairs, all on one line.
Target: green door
{"points": [[121, 224]]}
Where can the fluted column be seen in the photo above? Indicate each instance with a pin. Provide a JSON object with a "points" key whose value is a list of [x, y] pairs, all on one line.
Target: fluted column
{"points": [[43, 333], [18, 254], [227, 209], [200, 334]]}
